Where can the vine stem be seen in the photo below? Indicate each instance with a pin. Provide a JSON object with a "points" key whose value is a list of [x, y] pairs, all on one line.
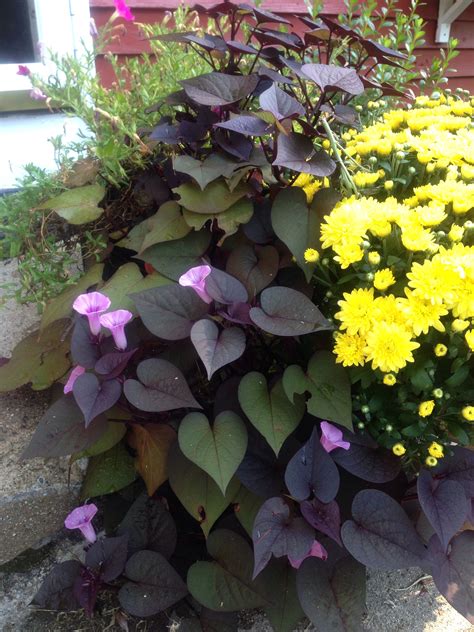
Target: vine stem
{"points": [[346, 176]]}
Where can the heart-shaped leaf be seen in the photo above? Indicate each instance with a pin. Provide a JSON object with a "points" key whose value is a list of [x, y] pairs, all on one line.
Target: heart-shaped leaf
{"points": [[206, 171], [325, 517], [155, 585], [215, 198], [169, 312], [453, 573], [113, 364], [312, 471], [196, 490], [218, 450], [162, 387], [108, 472], [328, 384], [85, 349], [460, 468], [280, 104], [225, 288], [299, 229], [287, 312], [78, 206], [246, 508], [297, 152], [217, 349], [94, 397], [149, 525], [255, 266], [228, 221], [284, 610], [217, 88], [330, 77], [333, 599], [226, 584], [276, 532], [152, 443], [108, 557], [272, 413], [61, 431], [56, 592], [166, 225], [381, 535], [444, 503], [246, 124]]}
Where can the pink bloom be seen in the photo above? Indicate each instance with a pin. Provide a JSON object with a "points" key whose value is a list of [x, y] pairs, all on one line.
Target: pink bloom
{"points": [[116, 321], [196, 278], [316, 550], [24, 71], [37, 94], [92, 305], [123, 10], [331, 437], [81, 518], [75, 373]]}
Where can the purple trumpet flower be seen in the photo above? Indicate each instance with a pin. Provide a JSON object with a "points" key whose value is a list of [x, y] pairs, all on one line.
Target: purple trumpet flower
{"points": [[92, 305], [316, 550], [116, 321], [75, 373], [331, 437], [81, 518], [23, 71], [196, 278], [37, 94]]}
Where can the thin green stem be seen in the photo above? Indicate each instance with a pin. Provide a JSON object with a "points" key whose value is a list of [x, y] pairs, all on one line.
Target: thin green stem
{"points": [[346, 176]]}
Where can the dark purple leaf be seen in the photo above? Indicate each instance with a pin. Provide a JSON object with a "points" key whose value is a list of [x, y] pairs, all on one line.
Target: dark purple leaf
{"points": [[216, 349], [225, 288], [169, 311], [329, 77], [212, 621], [345, 114], [61, 431], [149, 525], [453, 572], [217, 88], [108, 557], [378, 50], [459, 467], [312, 471], [325, 517], [165, 133], [113, 364], [247, 125], [191, 132], [237, 313], [276, 532], [280, 104], [255, 266], [208, 42], [317, 36], [94, 397], [86, 588], [444, 503], [366, 459], [273, 75], [56, 592], [259, 228], [277, 38], [267, 17], [287, 312], [234, 144], [85, 348], [293, 65], [155, 585], [259, 471], [161, 387], [296, 152], [240, 47], [381, 535], [333, 599]]}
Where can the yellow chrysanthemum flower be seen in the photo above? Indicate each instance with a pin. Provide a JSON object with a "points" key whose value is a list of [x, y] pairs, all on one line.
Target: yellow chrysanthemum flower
{"points": [[311, 255], [456, 233], [383, 279], [469, 336], [436, 450], [458, 325], [426, 408], [355, 311], [349, 349], [389, 347], [421, 314], [440, 350], [468, 413], [399, 449], [389, 379], [347, 254]]}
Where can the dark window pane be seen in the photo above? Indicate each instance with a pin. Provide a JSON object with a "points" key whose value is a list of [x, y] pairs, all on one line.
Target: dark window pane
{"points": [[18, 34]]}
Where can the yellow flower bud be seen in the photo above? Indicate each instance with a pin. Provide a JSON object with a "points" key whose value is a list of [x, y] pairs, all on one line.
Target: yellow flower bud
{"points": [[389, 379], [388, 185], [311, 255], [399, 449], [456, 233], [326, 143], [469, 336], [468, 413], [440, 350], [374, 258], [430, 167], [458, 325], [426, 408], [383, 279], [436, 450], [431, 461], [424, 158]]}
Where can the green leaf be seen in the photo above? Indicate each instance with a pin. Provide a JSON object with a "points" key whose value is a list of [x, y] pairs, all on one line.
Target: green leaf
{"points": [[174, 258], [196, 491], [226, 583], [41, 358], [328, 384], [228, 221], [61, 306], [134, 239], [272, 414], [166, 225], [78, 206], [296, 224], [114, 433], [284, 610], [122, 283], [246, 508], [206, 171], [108, 472], [215, 198], [218, 450]]}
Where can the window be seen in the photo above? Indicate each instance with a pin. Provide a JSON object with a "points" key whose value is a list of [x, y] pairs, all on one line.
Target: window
{"points": [[59, 25]]}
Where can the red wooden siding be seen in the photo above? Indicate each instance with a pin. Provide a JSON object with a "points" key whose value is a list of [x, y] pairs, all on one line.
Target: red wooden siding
{"points": [[149, 11]]}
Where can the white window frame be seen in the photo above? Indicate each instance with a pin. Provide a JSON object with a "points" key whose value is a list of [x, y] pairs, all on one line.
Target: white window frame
{"points": [[63, 27]]}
